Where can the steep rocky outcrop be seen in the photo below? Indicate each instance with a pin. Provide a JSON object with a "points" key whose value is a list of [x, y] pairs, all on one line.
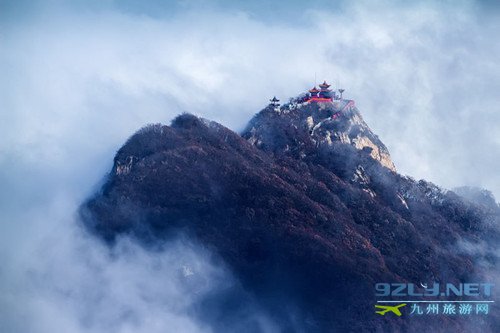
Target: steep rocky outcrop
{"points": [[326, 123], [305, 208]]}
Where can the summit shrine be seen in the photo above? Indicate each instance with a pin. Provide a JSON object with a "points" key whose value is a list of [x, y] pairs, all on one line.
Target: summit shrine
{"points": [[323, 94]]}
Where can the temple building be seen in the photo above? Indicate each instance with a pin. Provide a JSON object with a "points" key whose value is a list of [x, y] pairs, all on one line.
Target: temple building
{"points": [[324, 94], [274, 102], [313, 93]]}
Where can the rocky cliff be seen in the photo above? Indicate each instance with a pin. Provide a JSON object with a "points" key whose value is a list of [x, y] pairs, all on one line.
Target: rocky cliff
{"points": [[305, 207], [319, 124]]}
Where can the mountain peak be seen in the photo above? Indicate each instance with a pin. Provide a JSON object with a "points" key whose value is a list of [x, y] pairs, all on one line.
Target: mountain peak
{"points": [[307, 124], [300, 209]]}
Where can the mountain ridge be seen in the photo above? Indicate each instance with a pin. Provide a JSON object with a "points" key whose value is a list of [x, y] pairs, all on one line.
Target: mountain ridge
{"points": [[308, 218]]}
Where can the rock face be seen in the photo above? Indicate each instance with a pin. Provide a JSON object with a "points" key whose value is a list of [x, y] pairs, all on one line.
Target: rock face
{"points": [[306, 210], [326, 123]]}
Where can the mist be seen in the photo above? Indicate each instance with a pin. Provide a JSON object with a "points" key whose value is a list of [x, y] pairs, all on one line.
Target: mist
{"points": [[68, 280], [78, 78]]}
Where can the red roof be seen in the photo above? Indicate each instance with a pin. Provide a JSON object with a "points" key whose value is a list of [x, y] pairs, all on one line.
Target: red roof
{"points": [[320, 99], [314, 90]]}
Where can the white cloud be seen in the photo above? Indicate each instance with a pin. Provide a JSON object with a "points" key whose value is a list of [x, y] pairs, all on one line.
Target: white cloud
{"points": [[424, 76], [66, 280], [78, 80]]}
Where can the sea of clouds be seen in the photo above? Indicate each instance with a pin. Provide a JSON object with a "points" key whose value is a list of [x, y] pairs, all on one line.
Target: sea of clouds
{"points": [[78, 78]]}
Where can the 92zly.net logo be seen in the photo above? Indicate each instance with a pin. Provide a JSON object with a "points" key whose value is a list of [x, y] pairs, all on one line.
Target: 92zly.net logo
{"points": [[448, 299]]}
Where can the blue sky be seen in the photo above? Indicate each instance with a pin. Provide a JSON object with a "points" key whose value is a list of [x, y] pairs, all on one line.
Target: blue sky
{"points": [[79, 77]]}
